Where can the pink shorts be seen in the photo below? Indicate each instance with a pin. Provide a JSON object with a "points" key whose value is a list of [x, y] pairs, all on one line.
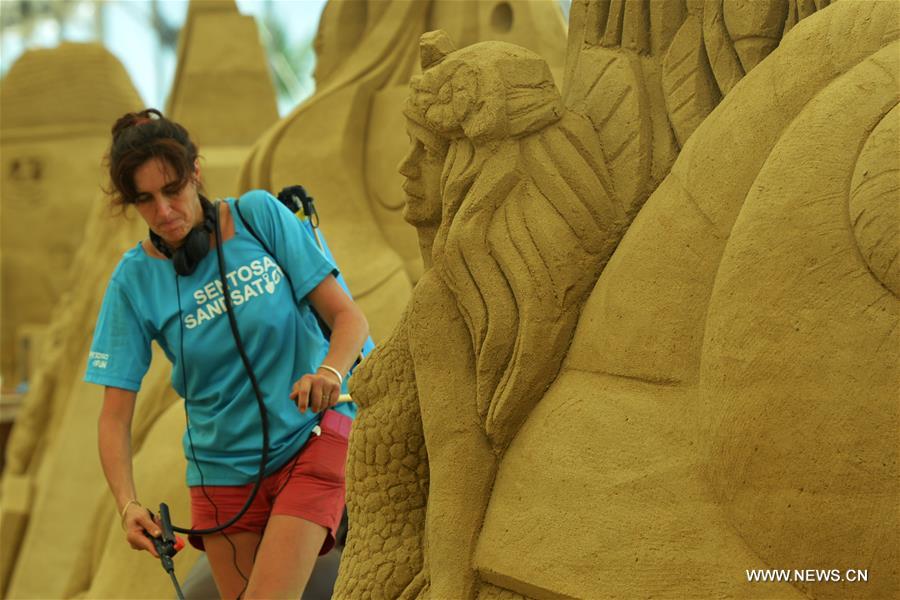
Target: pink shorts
{"points": [[309, 486]]}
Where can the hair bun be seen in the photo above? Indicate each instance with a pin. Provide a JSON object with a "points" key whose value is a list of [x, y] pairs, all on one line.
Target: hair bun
{"points": [[136, 118]]}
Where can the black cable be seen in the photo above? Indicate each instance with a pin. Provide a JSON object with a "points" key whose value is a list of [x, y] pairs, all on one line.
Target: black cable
{"points": [[290, 476], [264, 417], [191, 441], [264, 454], [177, 587]]}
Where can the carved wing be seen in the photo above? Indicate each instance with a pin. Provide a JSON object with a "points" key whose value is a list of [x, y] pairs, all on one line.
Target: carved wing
{"points": [[648, 73]]}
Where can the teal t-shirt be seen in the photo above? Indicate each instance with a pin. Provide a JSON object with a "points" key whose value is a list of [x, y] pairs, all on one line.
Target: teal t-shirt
{"points": [[186, 315]]}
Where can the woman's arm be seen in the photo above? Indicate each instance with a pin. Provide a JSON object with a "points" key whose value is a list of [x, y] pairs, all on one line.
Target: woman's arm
{"points": [[349, 330], [114, 437]]}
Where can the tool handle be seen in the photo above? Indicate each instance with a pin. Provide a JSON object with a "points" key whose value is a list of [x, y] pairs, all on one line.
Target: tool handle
{"points": [[166, 522], [165, 550], [167, 544]]}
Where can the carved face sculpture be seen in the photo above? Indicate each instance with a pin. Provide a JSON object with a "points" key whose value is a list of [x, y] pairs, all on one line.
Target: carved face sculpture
{"points": [[422, 167]]}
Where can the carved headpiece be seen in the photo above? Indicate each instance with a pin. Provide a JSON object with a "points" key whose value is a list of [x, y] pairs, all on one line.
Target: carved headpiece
{"points": [[485, 91]]}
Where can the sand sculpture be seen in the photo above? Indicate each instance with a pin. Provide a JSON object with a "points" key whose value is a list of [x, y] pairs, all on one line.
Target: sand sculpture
{"points": [[57, 516], [222, 72], [344, 143], [728, 400], [52, 485], [50, 127]]}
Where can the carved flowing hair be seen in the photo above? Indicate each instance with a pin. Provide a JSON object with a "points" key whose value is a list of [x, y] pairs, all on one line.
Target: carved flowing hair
{"points": [[529, 216]]}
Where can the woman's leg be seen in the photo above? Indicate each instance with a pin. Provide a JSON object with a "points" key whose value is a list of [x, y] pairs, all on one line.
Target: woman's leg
{"points": [[232, 563], [286, 558]]}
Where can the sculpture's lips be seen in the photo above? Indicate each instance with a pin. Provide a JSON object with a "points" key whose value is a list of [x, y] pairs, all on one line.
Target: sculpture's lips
{"points": [[413, 192]]}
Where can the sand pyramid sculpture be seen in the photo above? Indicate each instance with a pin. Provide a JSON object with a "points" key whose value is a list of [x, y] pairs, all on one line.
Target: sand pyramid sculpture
{"points": [[345, 142], [51, 127], [54, 472], [532, 430], [222, 91]]}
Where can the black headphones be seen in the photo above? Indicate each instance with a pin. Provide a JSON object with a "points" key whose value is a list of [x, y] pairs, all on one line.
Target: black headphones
{"points": [[188, 255]]}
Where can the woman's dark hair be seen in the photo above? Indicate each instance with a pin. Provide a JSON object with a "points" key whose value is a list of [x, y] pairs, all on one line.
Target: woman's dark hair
{"points": [[142, 136]]}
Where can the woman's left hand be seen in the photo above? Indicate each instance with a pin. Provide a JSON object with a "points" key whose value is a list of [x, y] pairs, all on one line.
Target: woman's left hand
{"points": [[318, 391]]}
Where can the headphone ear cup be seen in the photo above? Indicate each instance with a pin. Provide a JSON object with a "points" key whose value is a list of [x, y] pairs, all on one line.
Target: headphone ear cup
{"points": [[181, 263], [196, 246]]}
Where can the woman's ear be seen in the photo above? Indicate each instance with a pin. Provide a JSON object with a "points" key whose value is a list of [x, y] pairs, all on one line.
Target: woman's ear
{"points": [[196, 175]]}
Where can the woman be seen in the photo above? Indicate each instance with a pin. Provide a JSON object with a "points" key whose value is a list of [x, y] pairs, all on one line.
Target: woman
{"points": [[168, 289]]}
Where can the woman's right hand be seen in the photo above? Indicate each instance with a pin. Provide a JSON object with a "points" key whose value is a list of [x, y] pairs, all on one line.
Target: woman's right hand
{"points": [[138, 522]]}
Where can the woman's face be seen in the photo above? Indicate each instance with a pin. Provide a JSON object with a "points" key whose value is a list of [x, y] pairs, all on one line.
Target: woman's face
{"points": [[422, 168], [169, 210]]}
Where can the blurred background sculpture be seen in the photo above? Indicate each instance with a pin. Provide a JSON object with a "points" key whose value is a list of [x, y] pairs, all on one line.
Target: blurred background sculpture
{"points": [[708, 417], [222, 91], [53, 128]]}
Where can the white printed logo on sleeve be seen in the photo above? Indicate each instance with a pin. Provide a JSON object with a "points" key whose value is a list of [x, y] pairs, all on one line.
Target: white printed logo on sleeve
{"points": [[244, 283], [99, 360]]}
